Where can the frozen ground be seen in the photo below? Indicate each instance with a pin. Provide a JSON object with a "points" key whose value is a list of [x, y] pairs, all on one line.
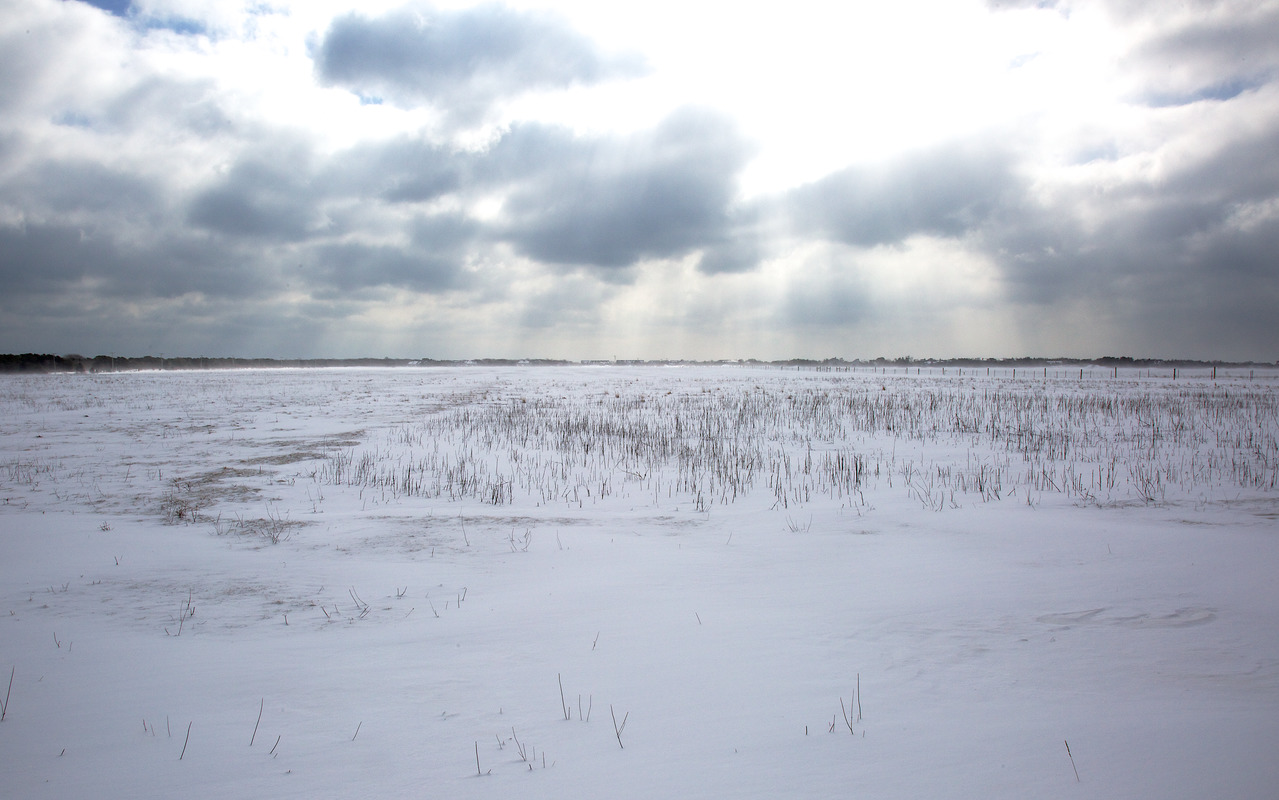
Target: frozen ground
{"points": [[356, 583]]}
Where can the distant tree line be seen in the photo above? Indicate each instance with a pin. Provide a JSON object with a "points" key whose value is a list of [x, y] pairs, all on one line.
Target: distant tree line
{"points": [[44, 362]]}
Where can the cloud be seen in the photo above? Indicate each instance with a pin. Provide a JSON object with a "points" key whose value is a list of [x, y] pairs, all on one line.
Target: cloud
{"points": [[602, 202], [81, 188], [1209, 211], [44, 55], [40, 263], [265, 194], [1182, 258], [741, 253], [573, 302], [461, 61], [1215, 52], [344, 268], [611, 202], [1183, 53], [944, 192], [182, 262], [404, 170], [161, 104], [44, 257], [432, 262]]}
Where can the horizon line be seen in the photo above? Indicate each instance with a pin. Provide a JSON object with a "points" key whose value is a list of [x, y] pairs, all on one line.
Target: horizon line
{"points": [[14, 362]]}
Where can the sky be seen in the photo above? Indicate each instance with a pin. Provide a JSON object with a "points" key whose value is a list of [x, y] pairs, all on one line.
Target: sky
{"points": [[685, 180]]}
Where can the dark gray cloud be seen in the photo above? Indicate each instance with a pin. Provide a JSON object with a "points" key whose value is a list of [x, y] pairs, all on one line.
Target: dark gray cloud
{"points": [[1179, 260], [183, 261], [460, 60], [1197, 295], [1207, 219], [1184, 255], [78, 187], [400, 171], [432, 261], [598, 202], [611, 202], [47, 260], [1185, 262], [740, 253], [267, 193], [37, 257], [345, 268], [944, 192]]}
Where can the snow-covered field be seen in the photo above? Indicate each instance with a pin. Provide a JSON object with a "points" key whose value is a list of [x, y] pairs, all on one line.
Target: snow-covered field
{"points": [[639, 582]]}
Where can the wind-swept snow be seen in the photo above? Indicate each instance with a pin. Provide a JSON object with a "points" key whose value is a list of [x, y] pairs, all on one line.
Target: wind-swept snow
{"points": [[788, 584]]}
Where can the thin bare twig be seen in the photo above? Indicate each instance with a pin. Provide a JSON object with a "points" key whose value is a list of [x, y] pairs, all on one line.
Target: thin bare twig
{"points": [[617, 729], [5, 708], [261, 705], [1072, 761], [563, 704]]}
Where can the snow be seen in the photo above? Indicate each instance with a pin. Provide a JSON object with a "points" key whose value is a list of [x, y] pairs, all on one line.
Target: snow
{"points": [[184, 551]]}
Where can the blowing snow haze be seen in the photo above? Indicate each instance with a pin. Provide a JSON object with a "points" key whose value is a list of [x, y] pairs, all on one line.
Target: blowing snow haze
{"points": [[584, 180]]}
